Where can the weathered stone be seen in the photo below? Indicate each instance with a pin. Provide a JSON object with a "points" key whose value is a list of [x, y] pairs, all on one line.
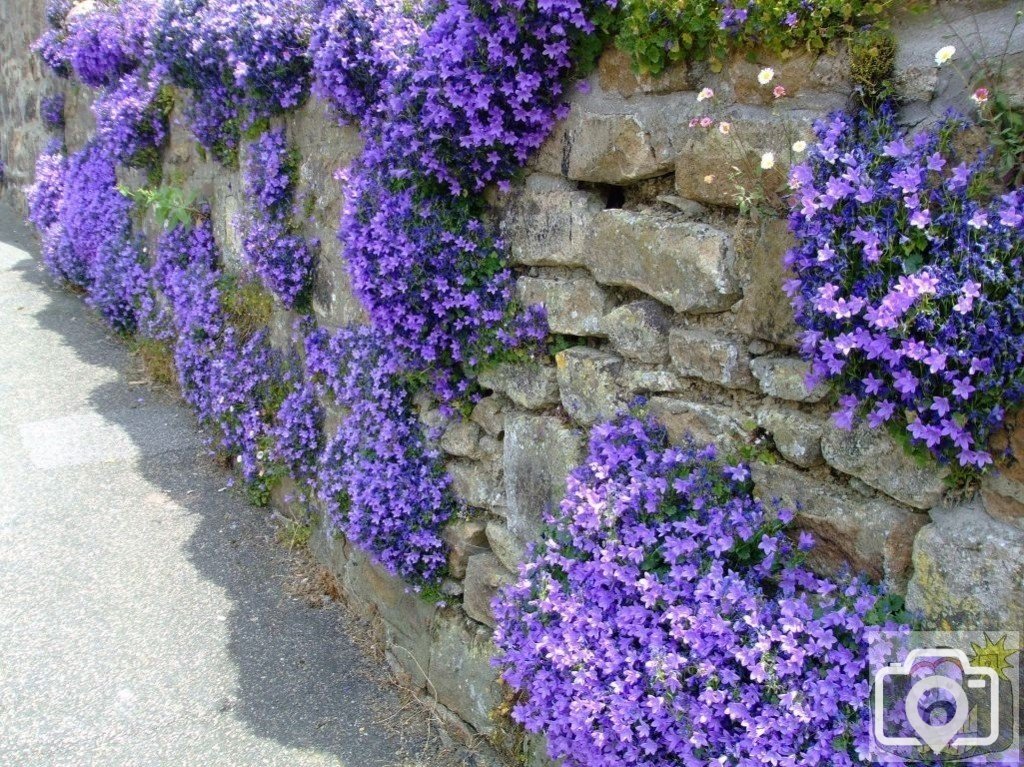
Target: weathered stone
{"points": [[505, 546], [969, 571], [547, 221], [637, 379], [821, 83], [588, 380], [540, 451], [705, 423], [461, 675], [609, 139], [615, 73], [529, 384], [874, 457], [465, 538], [478, 483], [713, 168], [765, 311], [785, 378], [711, 357], [485, 575], [407, 619], [574, 306], [461, 438], [1002, 489], [797, 435], [870, 534], [489, 413], [639, 331], [687, 265]]}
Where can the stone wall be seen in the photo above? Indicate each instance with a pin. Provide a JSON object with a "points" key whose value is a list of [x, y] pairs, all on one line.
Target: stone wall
{"points": [[626, 228], [23, 84]]}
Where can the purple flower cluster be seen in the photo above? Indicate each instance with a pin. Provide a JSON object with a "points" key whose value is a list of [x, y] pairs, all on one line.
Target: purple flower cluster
{"points": [[909, 285], [51, 109], [232, 382], [282, 258], [241, 59], [130, 123], [380, 480], [666, 620], [297, 432], [96, 46]]}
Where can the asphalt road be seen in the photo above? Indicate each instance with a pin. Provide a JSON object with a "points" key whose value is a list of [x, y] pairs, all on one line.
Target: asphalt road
{"points": [[142, 615]]}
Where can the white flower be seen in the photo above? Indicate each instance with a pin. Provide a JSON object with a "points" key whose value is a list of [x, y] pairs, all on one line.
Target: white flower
{"points": [[766, 75], [709, 179], [705, 94], [724, 128], [944, 54], [768, 161], [799, 146]]}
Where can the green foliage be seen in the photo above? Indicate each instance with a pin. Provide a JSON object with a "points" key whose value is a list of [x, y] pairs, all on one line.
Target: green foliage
{"points": [[157, 359], [248, 306], [171, 205], [1004, 121], [656, 33], [295, 534], [873, 62]]}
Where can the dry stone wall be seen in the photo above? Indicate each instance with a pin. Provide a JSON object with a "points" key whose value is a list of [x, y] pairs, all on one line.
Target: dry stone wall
{"points": [[626, 228]]}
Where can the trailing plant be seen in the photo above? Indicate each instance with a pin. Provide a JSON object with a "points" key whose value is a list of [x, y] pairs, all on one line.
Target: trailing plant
{"points": [[909, 264], [666, 619]]}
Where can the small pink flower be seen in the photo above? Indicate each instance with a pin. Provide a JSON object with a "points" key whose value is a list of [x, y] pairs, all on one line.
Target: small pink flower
{"points": [[980, 96], [779, 91], [706, 122], [705, 94]]}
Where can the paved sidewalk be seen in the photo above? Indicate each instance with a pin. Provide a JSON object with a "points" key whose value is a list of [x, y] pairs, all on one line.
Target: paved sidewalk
{"points": [[142, 616]]}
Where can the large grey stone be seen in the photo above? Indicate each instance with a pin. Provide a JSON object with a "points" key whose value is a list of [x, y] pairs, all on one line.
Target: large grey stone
{"points": [[639, 330], [505, 545], [489, 414], [870, 534], [461, 438], [765, 311], [785, 378], [478, 483], [687, 265], [529, 384], [875, 458], [485, 575], [797, 435], [589, 383], [613, 140], [460, 673], [540, 451], [717, 169], [969, 571], [547, 221], [465, 538], [712, 357], [706, 423], [575, 306]]}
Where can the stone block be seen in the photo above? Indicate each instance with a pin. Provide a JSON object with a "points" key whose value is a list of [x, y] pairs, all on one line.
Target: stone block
{"points": [[876, 459], [505, 545], [609, 139], [461, 438], [478, 483], [461, 677], [870, 534], [489, 414], [639, 331], [711, 357], [529, 385], [765, 311], [465, 538], [706, 423], [969, 571], [485, 576], [547, 220], [588, 380], [575, 306], [785, 378], [712, 167], [797, 435], [540, 451], [689, 266], [615, 74]]}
